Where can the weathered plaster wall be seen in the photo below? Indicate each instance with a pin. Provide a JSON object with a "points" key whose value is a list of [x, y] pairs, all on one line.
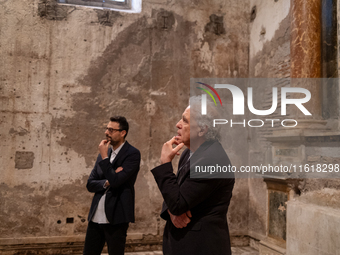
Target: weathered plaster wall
{"points": [[266, 19], [270, 58], [65, 70], [313, 223], [269, 51]]}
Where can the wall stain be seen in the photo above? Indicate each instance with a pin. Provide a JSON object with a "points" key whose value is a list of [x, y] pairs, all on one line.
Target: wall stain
{"points": [[216, 25], [106, 17], [264, 58], [51, 10], [141, 59], [24, 159], [21, 132], [165, 20], [37, 208]]}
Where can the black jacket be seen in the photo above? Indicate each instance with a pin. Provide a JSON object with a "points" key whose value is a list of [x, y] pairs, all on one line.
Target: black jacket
{"points": [[120, 198], [207, 199]]}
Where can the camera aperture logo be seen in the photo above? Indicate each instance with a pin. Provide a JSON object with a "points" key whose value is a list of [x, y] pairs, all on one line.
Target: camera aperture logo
{"points": [[238, 105], [204, 97]]}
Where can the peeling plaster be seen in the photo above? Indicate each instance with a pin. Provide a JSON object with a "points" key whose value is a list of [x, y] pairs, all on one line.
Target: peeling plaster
{"points": [[269, 14], [71, 72]]}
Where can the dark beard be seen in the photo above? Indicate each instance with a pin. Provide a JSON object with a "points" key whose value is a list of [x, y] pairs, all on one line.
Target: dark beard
{"points": [[113, 143]]}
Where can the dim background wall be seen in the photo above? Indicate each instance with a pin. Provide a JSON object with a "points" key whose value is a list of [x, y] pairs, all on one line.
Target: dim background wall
{"points": [[269, 57], [65, 70]]}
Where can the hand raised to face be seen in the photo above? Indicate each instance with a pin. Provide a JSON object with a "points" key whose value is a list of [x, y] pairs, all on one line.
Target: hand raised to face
{"points": [[103, 148], [168, 152]]}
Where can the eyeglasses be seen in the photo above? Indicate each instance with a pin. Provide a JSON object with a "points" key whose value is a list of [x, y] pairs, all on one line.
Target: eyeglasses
{"points": [[111, 130]]}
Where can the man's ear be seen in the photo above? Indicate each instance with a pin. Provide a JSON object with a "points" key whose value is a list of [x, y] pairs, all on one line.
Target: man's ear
{"points": [[203, 131], [123, 133]]}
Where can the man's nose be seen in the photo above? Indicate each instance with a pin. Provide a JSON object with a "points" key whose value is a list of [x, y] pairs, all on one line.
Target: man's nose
{"points": [[178, 125]]}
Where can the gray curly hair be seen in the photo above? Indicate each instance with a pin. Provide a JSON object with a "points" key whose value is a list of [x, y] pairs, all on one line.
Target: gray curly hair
{"points": [[205, 120]]}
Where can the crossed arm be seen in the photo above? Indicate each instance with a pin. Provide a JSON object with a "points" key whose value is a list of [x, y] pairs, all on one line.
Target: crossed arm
{"points": [[95, 183], [117, 177], [112, 177]]}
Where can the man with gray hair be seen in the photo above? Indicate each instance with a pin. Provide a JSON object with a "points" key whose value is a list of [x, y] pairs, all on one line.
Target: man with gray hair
{"points": [[195, 208], [205, 120]]}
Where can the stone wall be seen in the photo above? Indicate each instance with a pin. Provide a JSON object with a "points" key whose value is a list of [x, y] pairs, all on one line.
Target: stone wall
{"points": [[313, 223], [66, 69], [269, 57], [270, 38]]}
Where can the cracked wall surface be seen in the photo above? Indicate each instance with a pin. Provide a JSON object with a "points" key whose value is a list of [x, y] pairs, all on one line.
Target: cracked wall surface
{"points": [[65, 70]]}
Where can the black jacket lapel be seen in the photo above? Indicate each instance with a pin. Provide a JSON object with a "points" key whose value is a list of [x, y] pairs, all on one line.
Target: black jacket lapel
{"points": [[121, 152], [192, 161]]}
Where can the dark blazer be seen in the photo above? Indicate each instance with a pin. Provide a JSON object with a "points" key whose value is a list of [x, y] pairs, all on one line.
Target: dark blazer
{"points": [[207, 199], [120, 198]]}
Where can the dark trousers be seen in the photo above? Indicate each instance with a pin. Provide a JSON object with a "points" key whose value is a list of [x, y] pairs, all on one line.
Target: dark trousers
{"points": [[98, 234]]}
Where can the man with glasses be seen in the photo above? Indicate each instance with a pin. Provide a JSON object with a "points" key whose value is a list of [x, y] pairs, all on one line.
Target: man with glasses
{"points": [[112, 180]]}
